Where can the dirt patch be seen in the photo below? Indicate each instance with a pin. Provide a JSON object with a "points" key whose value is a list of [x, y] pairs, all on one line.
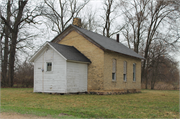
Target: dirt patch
{"points": [[5, 115]]}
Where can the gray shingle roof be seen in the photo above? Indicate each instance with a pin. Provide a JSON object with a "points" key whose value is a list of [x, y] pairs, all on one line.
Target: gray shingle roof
{"points": [[70, 52], [108, 43]]}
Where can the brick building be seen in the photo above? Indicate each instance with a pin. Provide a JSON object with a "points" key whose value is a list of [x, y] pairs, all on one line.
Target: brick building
{"points": [[111, 66]]}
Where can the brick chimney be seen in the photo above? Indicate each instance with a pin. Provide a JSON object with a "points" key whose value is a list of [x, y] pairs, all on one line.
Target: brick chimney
{"points": [[77, 21], [117, 39]]}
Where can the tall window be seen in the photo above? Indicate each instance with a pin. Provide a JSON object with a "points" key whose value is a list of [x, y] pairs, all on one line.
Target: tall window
{"points": [[114, 69], [134, 72], [125, 71], [49, 66]]}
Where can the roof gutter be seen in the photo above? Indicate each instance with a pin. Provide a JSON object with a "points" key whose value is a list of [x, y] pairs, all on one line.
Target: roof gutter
{"points": [[126, 54], [79, 61]]}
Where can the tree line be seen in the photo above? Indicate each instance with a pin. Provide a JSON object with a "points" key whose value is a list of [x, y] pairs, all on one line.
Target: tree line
{"points": [[149, 27]]}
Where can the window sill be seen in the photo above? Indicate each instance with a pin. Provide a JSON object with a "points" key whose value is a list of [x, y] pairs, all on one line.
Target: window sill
{"points": [[49, 72], [134, 81], [125, 81], [114, 81]]}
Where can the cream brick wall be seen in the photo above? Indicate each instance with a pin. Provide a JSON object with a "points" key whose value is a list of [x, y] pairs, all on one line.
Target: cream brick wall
{"points": [[119, 84], [95, 54]]}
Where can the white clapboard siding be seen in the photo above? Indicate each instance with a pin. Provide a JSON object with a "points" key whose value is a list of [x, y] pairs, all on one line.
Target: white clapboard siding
{"points": [[65, 77], [38, 73], [53, 81], [76, 77]]}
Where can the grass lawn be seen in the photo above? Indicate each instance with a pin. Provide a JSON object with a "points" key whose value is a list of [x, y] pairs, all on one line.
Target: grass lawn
{"points": [[148, 104]]}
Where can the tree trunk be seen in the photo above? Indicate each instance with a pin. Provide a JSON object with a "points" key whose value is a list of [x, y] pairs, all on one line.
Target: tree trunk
{"points": [[152, 82], [12, 58], [152, 85], [5, 59], [14, 32], [146, 80], [1, 57]]}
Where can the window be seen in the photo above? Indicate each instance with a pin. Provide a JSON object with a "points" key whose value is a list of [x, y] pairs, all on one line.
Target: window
{"points": [[49, 66], [134, 72], [113, 76], [114, 69], [125, 71]]}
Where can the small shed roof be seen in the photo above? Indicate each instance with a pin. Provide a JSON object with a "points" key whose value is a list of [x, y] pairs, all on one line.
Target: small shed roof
{"points": [[70, 53]]}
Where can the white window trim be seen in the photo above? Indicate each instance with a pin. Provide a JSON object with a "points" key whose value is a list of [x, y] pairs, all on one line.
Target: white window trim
{"points": [[125, 71], [51, 66], [134, 72], [115, 69]]}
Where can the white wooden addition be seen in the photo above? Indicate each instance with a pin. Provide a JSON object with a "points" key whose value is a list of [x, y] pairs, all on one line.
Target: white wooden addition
{"points": [[76, 77], [64, 77]]}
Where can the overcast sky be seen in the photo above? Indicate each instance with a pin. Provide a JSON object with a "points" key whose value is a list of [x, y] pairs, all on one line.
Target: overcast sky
{"points": [[95, 5], [98, 3]]}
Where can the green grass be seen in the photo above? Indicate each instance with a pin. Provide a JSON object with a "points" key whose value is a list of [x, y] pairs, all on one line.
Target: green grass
{"points": [[148, 104]]}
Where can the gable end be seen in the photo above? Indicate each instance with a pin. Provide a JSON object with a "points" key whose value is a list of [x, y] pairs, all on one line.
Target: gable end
{"points": [[70, 29]]}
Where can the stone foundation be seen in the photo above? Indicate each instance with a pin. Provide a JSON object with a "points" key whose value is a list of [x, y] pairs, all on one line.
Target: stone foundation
{"points": [[114, 92]]}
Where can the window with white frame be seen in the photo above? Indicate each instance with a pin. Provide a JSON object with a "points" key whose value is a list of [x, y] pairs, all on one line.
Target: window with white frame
{"points": [[114, 69], [134, 72], [49, 66], [125, 71]]}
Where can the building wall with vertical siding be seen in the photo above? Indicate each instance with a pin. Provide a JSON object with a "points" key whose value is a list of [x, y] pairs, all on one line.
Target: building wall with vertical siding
{"points": [[76, 77]]}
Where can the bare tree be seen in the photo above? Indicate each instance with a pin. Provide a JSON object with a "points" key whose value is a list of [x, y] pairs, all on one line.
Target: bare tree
{"points": [[110, 15], [24, 74], [1, 37], [107, 8], [89, 20], [61, 12], [15, 17], [147, 19], [159, 11], [136, 20], [6, 49], [162, 67], [156, 53]]}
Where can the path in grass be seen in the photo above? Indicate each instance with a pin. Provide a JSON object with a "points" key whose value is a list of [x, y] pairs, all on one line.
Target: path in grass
{"points": [[148, 104]]}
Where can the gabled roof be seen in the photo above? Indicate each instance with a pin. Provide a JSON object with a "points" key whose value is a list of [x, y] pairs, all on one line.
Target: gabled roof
{"points": [[69, 53], [105, 42]]}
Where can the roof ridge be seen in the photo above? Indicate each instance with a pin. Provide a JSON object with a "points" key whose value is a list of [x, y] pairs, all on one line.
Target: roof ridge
{"points": [[111, 39], [89, 30]]}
